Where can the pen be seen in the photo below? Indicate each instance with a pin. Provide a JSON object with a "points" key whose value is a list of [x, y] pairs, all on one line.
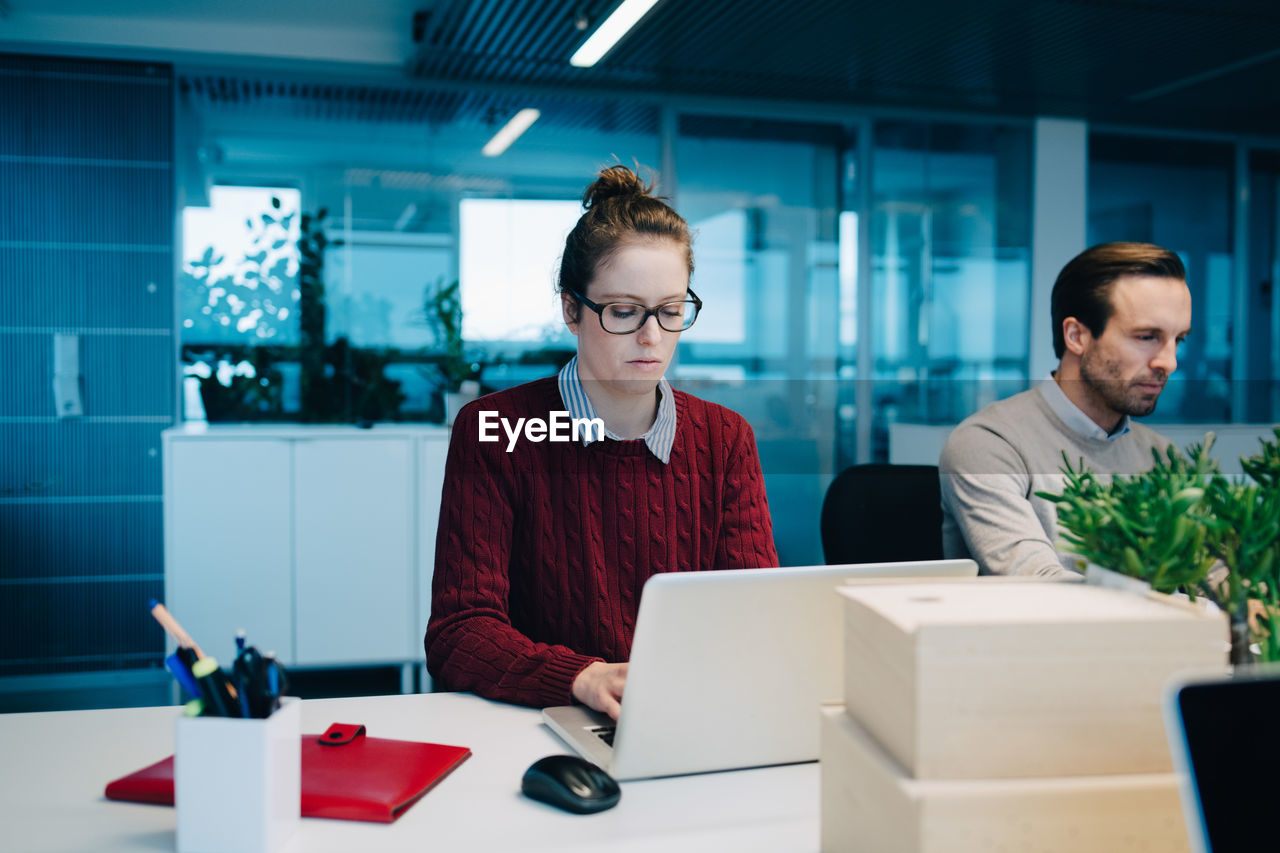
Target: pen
{"points": [[274, 677], [251, 679]]}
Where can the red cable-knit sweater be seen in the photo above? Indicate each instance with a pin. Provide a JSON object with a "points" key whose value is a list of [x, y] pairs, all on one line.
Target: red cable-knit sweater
{"points": [[542, 552]]}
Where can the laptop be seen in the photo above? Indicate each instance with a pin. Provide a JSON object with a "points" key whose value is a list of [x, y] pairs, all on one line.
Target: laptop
{"points": [[1222, 732], [728, 670]]}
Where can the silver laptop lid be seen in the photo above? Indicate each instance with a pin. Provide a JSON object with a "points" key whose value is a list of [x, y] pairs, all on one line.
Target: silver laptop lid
{"points": [[728, 669]]}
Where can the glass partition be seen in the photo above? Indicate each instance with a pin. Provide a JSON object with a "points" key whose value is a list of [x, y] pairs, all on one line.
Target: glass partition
{"points": [[950, 275], [421, 263], [762, 199], [400, 295], [1263, 334], [1177, 194]]}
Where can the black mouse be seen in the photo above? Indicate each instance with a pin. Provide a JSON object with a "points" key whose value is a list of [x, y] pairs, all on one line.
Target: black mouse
{"points": [[570, 783]]}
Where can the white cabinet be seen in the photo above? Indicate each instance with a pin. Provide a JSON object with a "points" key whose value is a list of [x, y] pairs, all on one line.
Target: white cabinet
{"points": [[319, 541], [227, 551], [433, 449], [353, 550]]}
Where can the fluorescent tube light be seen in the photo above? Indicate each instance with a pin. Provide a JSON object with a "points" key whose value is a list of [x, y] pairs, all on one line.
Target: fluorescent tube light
{"points": [[610, 32], [510, 132], [406, 216]]}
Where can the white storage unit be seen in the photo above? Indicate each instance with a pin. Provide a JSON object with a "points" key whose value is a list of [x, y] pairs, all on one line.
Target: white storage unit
{"points": [[228, 555], [319, 541]]}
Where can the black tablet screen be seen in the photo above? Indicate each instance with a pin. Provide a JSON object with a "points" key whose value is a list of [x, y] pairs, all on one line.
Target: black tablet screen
{"points": [[1233, 738]]}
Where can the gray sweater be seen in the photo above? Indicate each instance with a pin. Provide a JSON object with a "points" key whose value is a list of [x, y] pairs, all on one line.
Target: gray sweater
{"points": [[997, 459]]}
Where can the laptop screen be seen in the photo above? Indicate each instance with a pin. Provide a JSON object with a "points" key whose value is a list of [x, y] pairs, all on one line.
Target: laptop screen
{"points": [[1232, 731]]}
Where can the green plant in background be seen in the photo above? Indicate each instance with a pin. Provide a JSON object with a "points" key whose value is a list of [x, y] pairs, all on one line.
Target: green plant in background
{"points": [[355, 387], [317, 401], [239, 387], [1264, 468], [1148, 526], [339, 383], [442, 315]]}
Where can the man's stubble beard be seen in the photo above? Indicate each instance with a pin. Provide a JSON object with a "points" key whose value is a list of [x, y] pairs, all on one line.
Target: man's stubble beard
{"points": [[1101, 379]]}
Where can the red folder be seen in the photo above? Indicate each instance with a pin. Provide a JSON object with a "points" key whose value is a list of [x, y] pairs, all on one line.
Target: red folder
{"points": [[345, 775]]}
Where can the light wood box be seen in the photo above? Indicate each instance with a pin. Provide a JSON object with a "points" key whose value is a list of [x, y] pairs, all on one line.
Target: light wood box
{"points": [[981, 680], [870, 805]]}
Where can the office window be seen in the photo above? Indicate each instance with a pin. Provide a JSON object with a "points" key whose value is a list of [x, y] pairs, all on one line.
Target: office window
{"points": [[509, 257], [1176, 194], [240, 267]]}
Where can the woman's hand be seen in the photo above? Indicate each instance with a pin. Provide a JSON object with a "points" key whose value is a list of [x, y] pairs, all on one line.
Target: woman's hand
{"points": [[600, 685]]}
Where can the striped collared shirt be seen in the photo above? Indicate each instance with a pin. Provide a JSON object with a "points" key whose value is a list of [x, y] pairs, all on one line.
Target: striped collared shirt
{"points": [[660, 436]]}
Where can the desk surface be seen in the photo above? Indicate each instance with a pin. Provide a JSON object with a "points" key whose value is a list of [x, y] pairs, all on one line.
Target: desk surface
{"points": [[56, 765]]}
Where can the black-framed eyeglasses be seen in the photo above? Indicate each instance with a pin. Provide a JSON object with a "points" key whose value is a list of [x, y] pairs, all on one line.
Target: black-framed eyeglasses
{"points": [[627, 318]]}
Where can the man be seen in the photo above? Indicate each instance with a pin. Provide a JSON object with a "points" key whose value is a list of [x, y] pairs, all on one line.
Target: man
{"points": [[1119, 312]]}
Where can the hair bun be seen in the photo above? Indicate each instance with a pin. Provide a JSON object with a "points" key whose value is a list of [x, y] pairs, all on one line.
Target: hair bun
{"points": [[613, 182]]}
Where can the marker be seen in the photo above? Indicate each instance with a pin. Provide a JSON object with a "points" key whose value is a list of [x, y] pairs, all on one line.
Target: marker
{"points": [[182, 674], [218, 701], [187, 656]]}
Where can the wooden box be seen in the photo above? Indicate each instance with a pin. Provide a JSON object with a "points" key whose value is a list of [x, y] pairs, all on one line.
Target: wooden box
{"points": [[987, 680], [870, 805]]}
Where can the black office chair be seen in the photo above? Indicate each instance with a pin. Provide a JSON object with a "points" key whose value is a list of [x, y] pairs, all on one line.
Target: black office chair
{"points": [[882, 513]]}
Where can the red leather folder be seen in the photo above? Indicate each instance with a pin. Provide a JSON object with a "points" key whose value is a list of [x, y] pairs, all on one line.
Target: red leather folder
{"points": [[345, 775]]}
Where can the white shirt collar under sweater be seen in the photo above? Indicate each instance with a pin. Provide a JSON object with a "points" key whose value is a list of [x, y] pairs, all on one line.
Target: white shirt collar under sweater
{"points": [[1074, 417], [660, 437]]}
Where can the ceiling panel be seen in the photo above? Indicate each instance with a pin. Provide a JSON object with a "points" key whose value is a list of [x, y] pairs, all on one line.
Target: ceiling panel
{"points": [[1098, 59], [1163, 63]]}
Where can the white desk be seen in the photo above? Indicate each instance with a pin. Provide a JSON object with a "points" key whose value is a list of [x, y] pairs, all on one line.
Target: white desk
{"points": [[55, 766]]}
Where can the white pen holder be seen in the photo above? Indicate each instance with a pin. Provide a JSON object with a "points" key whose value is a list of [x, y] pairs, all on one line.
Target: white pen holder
{"points": [[237, 782]]}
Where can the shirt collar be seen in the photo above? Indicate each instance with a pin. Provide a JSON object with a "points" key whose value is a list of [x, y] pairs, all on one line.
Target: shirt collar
{"points": [[1074, 417], [660, 437]]}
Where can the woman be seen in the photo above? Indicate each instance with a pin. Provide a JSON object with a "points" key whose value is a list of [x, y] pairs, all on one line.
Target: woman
{"points": [[544, 546]]}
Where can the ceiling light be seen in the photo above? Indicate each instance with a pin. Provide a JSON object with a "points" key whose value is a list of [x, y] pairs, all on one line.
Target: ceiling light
{"points": [[510, 132], [610, 32]]}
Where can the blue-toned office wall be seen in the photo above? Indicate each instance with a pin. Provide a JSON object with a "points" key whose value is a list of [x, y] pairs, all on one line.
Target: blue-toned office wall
{"points": [[86, 250]]}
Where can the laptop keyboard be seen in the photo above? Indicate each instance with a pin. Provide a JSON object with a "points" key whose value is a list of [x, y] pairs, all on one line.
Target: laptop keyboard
{"points": [[605, 733]]}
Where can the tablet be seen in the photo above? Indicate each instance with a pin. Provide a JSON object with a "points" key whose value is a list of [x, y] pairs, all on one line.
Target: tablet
{"points": [[1224, 732]]}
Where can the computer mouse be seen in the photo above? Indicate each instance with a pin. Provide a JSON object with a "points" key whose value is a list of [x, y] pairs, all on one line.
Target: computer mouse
{"points": [[570, 783]]}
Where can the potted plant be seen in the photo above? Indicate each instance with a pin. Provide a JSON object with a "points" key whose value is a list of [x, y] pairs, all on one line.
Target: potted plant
{"points": [[1148, 526], [1243, 525], [458, 371], [1178, 525], [317, 398], [236, 383]]}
